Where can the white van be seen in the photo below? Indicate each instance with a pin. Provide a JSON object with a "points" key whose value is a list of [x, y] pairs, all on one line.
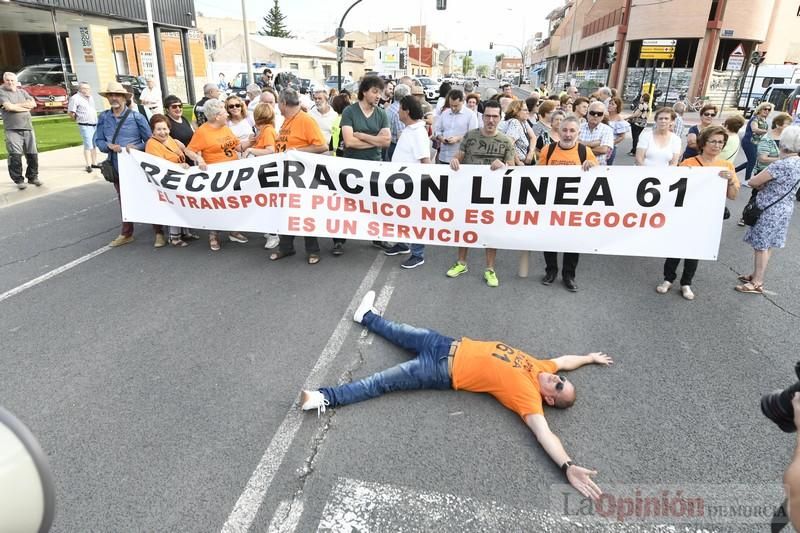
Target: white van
{"points": [[767, 75]]}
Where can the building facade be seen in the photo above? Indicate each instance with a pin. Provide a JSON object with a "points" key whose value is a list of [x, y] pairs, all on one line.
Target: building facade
{"points": [[706, 33]]}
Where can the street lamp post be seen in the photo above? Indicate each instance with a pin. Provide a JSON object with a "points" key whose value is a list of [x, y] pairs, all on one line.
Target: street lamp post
{"points": [[340, 45], [521, 57]]}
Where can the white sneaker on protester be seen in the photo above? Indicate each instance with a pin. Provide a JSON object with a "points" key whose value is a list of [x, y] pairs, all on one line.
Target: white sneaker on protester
{"points": [[313, 399], [366, 305], [272, 241], [663, 287]]}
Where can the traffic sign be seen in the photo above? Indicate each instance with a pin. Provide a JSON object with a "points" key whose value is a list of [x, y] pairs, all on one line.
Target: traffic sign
{"points": [[738, 51], [735, 63], [658, 49], [659, 55], [660, 42]]}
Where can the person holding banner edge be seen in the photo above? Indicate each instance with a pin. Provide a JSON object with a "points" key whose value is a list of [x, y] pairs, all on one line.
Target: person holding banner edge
{"points": [[567, 151], [483, 146], [710, 142]]}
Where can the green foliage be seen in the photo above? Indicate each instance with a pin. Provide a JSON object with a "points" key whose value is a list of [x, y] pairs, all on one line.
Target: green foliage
{"points": [[52, 133], [499, 57], [482, 70], [273, 23], [466, 65]]}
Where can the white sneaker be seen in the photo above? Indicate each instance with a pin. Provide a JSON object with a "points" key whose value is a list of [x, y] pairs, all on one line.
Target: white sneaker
{"points": [[663, 287], [313, 399], [366, 305], [272, 241], [687, 293]]}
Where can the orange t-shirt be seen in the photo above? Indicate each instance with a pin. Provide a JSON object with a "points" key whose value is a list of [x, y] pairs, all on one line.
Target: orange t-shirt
{"points": [[727, 165], [564, 157], [298, 132], [167, 150], [266, 137], [214, 144], [506, 373]]}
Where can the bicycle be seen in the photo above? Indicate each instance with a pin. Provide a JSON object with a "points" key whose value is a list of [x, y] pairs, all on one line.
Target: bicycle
{"points": [[695, 104]]}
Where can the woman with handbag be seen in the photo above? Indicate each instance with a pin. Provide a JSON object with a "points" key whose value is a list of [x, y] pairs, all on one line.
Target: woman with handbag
{"points": [[775, 184], [162, 145], [638, 121], [756, 128], [710, 142]]}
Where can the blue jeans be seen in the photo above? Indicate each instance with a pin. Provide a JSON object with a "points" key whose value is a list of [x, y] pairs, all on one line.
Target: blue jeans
{"points": [[428, 370], [417, 250], [751, 151]]}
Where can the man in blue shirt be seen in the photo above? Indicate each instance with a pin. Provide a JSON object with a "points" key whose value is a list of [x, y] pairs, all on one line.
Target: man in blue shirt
{"points": [[134, 132]]}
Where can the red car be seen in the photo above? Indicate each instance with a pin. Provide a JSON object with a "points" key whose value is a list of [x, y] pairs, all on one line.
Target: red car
{"points": [[46, 85]]}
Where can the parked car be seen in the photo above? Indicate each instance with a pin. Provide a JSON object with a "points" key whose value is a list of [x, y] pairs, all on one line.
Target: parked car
{"points": [[136, 83], [784, 97], [281, 80], [333, 81], [45, 83], [430, 87]]}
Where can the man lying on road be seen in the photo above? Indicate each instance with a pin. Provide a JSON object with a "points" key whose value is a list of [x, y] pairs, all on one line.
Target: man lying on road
{"points": [[520, 382]]}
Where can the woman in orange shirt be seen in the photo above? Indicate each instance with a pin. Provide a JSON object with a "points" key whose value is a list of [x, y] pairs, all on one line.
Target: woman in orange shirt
{"points": [[214, 142], [710, 142], [162, 145], [264, 117]]}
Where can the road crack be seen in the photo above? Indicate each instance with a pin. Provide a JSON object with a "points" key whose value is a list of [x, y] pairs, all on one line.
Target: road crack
{"points": [[37, 254], [765, 295]]}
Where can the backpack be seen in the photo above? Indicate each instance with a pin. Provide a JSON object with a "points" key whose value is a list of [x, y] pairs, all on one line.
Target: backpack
{"points": [[581, 152]]}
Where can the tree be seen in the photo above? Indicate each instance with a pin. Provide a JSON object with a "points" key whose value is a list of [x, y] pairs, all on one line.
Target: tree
{"points": [[482, 70], [466, 65], [273, 23], [499, 57]]}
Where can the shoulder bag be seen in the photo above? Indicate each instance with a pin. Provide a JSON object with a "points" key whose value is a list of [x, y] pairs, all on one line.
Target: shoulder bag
{"points": [[107, 167], [751, 211]]}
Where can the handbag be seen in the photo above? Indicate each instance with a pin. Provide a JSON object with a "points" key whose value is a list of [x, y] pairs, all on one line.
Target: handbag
{"points": [[107, 167], [751, 211]]}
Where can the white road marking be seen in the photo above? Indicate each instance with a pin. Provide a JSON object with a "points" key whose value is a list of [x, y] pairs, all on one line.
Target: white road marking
{"points": [[286, 517], [53, 273], [366, 507], [248, 504]]}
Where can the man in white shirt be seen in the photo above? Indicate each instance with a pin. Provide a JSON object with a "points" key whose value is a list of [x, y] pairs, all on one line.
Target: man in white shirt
{"points": [[82, 110], [451, 126], [151, 98], [595, 135], [323, 113], [413, 146]]}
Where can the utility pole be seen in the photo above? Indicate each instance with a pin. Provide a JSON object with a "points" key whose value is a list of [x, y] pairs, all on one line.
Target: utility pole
{"points": [[249, 66]]}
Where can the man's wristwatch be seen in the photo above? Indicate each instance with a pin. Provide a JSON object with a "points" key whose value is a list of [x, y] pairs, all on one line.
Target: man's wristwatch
{"points": [[566, 466]]}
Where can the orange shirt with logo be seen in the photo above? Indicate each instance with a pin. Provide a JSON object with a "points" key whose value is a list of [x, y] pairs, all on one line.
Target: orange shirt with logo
{"points": [[168, 150], [266, 137], [298, 132], [733, 181], [564, 157], [508, 374], [216, 145]]}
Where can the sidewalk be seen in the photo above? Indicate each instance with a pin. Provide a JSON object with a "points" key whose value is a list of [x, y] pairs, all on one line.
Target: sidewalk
{"points": [[59, 170]]}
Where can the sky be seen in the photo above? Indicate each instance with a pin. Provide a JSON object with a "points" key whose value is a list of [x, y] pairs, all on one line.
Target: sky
{"points": [[465, 25]]}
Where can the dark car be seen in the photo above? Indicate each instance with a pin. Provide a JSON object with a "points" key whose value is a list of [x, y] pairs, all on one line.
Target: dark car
{"points": [[136, 83]]}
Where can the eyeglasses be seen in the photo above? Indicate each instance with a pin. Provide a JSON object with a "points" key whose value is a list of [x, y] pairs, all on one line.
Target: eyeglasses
{"points": [[715, 142], [175, 106], [235, 106], [712, 115], [560, 385], [596, 113], [493, 117]]}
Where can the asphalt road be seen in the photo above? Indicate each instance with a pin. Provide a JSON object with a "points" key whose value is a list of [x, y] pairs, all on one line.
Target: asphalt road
{"points": [[162, 383]]}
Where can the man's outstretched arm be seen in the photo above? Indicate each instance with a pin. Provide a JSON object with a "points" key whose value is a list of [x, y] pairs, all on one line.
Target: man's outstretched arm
{"points": [[577, 476], [571, 362]]}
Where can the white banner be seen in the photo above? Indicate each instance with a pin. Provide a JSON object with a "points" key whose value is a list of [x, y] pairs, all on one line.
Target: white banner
{"points": [[635, 211]]}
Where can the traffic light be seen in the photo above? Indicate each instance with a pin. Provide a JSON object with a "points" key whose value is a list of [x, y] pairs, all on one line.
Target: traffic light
{"points": [[469, 53], [491, 45], [611, 54], [756, 58], [441, 5]]}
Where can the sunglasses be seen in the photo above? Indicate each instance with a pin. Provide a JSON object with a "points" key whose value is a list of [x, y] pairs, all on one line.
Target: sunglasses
{"points": [[234, 106], [712, 115], [560, 385], [175, 106], [596, 113]]}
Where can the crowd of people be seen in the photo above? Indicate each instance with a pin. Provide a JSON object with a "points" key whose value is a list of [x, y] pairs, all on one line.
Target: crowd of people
{"points": [[392, 121]]}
